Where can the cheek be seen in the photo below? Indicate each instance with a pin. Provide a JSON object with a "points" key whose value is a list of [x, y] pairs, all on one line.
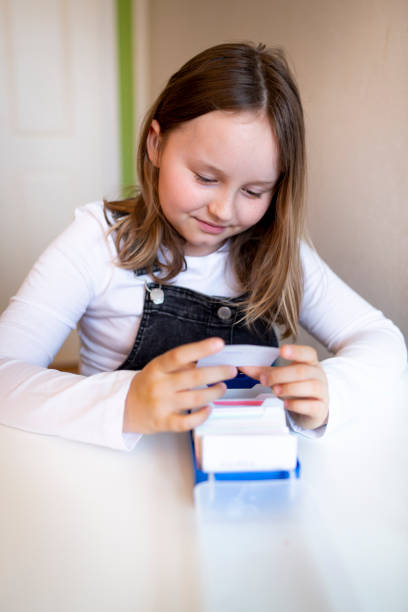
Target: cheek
{"points": [[175, 191], [251, 213]]}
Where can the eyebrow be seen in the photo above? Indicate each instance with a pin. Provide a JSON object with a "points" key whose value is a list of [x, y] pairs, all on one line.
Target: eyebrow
{"points": [[211, 168]]}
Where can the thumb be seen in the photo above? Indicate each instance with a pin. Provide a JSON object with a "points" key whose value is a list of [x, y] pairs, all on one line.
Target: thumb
{"points": [[252, 371]]}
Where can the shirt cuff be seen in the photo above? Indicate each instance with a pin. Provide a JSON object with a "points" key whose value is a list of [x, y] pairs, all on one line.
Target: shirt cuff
{"points": [[115, 436], [130, 440], [307, 433]]}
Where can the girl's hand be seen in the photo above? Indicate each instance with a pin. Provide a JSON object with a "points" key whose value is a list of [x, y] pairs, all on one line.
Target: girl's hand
{"points": [[160, 394], [302, 384]]}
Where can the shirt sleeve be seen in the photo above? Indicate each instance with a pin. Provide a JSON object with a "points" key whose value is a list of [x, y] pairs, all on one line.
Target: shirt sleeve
{"points": [[369, 351], [47, 307]]}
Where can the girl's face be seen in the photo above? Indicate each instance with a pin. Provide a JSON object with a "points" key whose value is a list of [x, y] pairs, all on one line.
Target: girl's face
{"points": [[216, 175]]}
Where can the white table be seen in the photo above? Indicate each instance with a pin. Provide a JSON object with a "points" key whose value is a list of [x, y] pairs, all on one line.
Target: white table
{"points": [[88, 529]]}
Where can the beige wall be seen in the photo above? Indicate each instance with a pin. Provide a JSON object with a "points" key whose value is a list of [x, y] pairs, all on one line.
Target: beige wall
{"points": [[351, 63], [58, 125]]}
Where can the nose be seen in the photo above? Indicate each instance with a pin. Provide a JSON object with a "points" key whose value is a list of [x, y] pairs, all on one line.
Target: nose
{"points": [[221, 207]]}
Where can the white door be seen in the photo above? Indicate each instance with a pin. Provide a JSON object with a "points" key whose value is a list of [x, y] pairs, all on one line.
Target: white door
{"points": [[58, 122]]}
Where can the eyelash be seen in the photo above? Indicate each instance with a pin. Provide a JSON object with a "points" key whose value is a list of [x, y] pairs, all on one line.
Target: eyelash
{"points": [[203, 179], [207, 181], [253, 194]]}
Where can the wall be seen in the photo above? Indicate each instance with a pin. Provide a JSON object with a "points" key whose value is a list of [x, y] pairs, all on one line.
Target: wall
{"points": [[58, 124], [350, 60]]}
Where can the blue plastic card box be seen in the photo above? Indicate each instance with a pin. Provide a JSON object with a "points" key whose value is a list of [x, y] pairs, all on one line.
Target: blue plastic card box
{"points": [[240, 382], [200, 476]]}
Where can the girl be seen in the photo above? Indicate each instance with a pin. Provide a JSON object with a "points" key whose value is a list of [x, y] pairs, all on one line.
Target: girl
{"points": [[210, 251]]}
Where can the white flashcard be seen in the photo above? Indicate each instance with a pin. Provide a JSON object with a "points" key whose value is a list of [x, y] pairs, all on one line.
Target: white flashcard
{"points": [[242, 355]]}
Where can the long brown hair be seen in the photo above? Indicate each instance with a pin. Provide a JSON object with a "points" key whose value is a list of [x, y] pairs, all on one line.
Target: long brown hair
{"points": [[266, 257]]}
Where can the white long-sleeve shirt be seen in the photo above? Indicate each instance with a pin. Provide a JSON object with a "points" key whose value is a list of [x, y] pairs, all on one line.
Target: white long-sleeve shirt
{"points": [[77, 282]]}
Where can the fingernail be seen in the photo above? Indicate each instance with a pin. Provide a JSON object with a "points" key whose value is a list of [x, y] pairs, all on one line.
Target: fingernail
{"points": [[218, 343], [277, 389], [287, 351]]}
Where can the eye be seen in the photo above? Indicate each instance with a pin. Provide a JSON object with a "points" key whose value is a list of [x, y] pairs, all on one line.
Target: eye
{"points": [[253, 194], [204, 180]]}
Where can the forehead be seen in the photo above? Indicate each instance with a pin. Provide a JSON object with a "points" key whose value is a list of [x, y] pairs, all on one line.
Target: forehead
{"points": [[241, 142]]}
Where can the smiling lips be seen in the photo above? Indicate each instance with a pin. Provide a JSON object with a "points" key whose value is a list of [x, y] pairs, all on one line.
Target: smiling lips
{"points": [[209, 228]]}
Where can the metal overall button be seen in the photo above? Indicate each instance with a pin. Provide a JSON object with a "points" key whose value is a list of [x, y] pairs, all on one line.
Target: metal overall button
{"points": [[224, 313], [156, 295]]}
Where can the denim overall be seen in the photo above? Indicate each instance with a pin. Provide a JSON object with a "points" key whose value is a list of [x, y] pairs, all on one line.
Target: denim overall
{"points": [[188, 316]]}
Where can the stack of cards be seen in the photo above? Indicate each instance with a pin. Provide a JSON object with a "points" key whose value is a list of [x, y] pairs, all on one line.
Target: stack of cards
{"points": [[246, 431]]}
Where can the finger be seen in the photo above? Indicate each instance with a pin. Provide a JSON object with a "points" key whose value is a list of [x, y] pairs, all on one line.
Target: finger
{"points": [[188, 379], [179, 357], [300, 353], [188, 400], [290, 373], [306, 407], [252, 371], [185, 422], [311, 389], [305, 421]]}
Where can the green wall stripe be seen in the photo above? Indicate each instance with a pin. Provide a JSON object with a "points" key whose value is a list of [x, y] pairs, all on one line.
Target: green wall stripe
{"points": [[124, 26]]}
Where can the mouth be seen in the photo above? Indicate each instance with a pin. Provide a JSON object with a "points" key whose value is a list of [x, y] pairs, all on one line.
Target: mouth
{"points": [[210, 228]]}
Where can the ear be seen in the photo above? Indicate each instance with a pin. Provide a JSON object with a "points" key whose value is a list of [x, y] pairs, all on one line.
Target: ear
{"points": [[153, 143]]}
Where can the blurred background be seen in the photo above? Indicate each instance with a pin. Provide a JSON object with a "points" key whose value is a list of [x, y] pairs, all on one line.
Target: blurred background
{"points": [[76, 76]]}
